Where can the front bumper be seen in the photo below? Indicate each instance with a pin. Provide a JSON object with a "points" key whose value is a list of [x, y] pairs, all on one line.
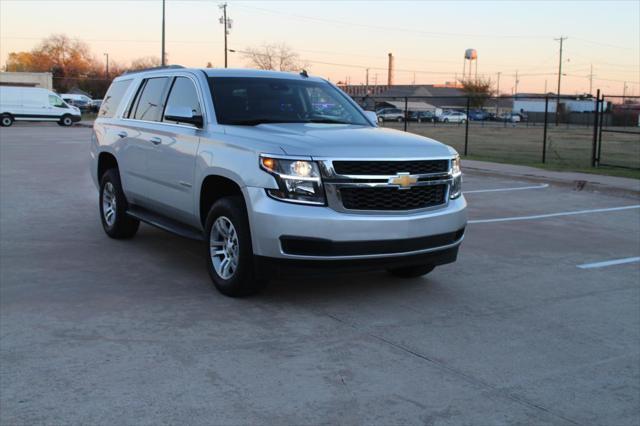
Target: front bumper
{"points": [[273, 222]]}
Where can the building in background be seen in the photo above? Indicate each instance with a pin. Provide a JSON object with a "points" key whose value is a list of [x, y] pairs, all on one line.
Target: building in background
{"points": [[43, 80]]}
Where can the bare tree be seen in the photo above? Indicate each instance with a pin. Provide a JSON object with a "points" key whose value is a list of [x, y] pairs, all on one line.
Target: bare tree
{"points": [[145, 62], [278, 57]]}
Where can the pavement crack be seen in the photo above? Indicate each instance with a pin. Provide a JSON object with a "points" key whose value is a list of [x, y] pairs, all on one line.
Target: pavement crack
{"points": [[466, 377]]}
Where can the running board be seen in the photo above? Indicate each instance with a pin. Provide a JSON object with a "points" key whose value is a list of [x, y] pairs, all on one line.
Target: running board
{"points": [[165, 223]]}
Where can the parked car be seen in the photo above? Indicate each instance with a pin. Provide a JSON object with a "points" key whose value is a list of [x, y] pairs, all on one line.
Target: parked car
{"points": [[95, 105], [239, 160], [478, 115], [390, 114], [510, 117], [76, 97], [34, 104], [453, 117], [421, 116], [81, 104]]}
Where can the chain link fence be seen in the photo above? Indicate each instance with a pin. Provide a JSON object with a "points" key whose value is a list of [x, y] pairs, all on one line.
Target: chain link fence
{"points": [[562, 131]]}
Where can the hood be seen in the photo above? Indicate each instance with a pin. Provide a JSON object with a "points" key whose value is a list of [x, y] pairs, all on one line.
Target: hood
{"points": [[342, 141]]}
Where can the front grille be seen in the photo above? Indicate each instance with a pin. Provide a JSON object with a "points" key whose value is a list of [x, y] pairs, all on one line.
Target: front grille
{"points": [[414, 167], [389, 198]]}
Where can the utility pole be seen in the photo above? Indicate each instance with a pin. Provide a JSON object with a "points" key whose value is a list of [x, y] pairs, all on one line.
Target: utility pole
{"points": [[498, 95], [226, 23], [162, 58], [591, 80], [517, 81], [545, 86], [367, 82], [561, 39], [106, 73], [624, 92]]}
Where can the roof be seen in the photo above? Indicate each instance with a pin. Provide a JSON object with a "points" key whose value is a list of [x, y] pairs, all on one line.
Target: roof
{"points": [[231, 72], [248, 72]]}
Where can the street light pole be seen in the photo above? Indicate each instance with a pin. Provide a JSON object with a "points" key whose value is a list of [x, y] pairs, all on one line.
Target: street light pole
{"points": [[162, 58], [107, 67]]}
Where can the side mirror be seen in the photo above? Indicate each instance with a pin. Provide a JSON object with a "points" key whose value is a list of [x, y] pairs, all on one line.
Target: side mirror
{"points": [[183, 115], [372, 117]]}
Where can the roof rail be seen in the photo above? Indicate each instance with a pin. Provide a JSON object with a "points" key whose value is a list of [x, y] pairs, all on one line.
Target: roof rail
{"points": [[166, 67]]}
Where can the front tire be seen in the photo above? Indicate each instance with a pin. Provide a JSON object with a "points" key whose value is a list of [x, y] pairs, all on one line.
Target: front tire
{"points": [[229, 251], [113, 208], [411, 271], [6, 120], [66, 121]]}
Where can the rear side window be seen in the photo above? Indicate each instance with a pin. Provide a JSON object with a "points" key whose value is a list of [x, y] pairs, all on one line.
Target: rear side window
{"points": [[150, 103], [183, 94], [113, 98]]}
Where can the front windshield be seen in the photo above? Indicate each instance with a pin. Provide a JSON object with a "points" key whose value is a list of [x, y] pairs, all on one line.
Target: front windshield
{"points": [[252, 101]]}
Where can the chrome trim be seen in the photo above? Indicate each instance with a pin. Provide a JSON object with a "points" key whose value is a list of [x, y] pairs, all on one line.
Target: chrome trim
{"points": [[390, 185], [285, 157], [372, 256]]}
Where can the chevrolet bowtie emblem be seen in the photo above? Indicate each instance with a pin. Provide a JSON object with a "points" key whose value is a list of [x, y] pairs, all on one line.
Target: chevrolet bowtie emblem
{"points": [[403, 180]]}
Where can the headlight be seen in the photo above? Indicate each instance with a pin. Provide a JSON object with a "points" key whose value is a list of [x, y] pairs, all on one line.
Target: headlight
{"points": [[456, 173], [298, 180]]}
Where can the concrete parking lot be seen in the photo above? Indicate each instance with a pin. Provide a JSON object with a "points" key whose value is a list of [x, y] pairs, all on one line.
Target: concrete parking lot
{"points": [[523, 329]]}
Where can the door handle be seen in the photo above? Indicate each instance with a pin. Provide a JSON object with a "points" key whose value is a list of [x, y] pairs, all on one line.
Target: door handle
{"points": [[122, 134], [155, 140]]}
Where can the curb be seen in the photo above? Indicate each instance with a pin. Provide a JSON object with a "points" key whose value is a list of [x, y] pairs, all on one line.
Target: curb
{"points": [[576, 185]]}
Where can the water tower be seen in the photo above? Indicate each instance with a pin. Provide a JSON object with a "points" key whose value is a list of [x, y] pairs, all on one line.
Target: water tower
{"points": [[471, 56]]}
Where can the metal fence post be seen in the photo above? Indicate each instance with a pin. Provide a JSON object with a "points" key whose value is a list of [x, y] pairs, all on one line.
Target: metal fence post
{"points": [[594, 148], [466, 129], [601, 124], [544, 132], [406, 113]]}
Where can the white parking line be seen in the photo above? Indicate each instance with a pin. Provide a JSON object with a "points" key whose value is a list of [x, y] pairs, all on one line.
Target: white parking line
{"points": [[543, 216], [609, 263], [519, 188]]}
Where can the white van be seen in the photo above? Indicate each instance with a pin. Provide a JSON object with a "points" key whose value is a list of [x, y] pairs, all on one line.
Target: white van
{"points": [[34, 104]]}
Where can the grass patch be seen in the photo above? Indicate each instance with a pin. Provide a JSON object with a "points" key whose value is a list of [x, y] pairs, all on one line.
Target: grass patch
{"points": [[568, 147]]}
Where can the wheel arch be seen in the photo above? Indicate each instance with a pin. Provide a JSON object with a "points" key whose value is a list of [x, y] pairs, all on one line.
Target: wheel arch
{"points": [[106, 161], [213, 188]]}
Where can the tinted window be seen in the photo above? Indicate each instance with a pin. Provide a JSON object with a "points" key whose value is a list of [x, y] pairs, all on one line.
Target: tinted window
{"points": [[113, 98], [252, 101], [150, 105], [183, 94]]}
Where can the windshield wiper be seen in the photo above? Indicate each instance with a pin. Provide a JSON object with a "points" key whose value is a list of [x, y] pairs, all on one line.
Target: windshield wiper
{"points": [[257, 121], [326, 121]]}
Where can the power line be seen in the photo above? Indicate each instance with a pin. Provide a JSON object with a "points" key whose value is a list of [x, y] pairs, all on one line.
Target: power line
{"points": [[385, 28]]}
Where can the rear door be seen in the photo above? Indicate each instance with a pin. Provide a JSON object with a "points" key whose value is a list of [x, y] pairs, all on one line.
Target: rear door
{"points": [[137, 132]]}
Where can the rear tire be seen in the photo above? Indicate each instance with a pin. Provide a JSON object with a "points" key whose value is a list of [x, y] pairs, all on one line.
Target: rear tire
{"points": [[65, 121], [229, 251], [6, 120], [411, 271], [113, 208]]}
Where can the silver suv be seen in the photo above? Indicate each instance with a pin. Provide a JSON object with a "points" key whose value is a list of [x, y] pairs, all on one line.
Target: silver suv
{"points": [[275, 172]]}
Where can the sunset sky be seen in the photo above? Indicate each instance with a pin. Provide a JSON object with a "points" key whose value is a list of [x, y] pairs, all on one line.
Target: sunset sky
{"points": [[340, 39]]}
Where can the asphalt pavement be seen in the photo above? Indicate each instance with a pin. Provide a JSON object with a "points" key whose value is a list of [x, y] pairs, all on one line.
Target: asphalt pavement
{"points": [[528, 327]]}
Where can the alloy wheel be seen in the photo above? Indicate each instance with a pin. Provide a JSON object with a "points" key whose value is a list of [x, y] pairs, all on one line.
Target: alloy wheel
{"points": [[224, 247], [109, 204]]}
